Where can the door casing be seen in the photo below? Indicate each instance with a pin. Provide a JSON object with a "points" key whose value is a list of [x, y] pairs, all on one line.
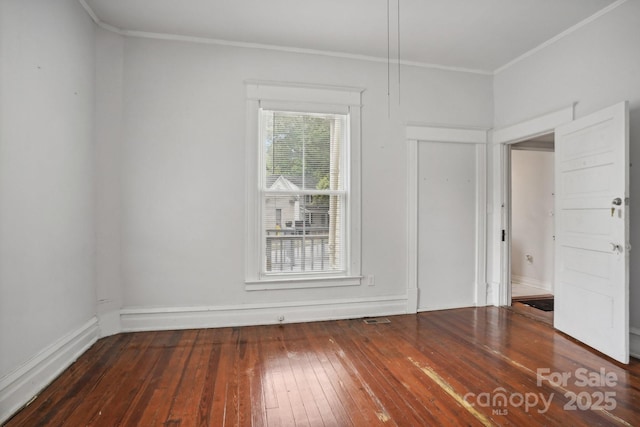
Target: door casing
{"points": [[501, 191]]}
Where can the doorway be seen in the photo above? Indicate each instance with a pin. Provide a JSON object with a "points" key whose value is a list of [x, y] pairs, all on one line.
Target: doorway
{"points": [[591, 216], [532, 223]]}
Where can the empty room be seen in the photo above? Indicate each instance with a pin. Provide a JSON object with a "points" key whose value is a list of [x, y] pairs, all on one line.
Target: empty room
{"points": [[288, 213]]}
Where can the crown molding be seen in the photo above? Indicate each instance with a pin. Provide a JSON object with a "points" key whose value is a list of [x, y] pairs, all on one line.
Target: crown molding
{"points": [[288, 49], [562, 35], [344, 55]]}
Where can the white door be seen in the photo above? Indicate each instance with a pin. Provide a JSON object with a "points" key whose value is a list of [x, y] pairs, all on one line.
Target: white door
{"points": [[447, 212], [592, 231]]}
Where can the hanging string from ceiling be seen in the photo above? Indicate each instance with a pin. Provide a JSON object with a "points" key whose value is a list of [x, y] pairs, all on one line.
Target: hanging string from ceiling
{"points": [[389, 53], [398, 38], [388, 59]]}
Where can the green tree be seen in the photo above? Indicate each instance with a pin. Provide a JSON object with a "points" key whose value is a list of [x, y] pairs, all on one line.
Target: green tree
{"points": [[321, 200], [297, 143]]}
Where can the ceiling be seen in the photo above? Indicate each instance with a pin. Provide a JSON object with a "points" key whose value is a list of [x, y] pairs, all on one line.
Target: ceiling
{"points": [[480, 35]]}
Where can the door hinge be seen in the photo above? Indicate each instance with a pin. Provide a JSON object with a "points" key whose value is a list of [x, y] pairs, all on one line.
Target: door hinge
{"points": [[504, 234]]}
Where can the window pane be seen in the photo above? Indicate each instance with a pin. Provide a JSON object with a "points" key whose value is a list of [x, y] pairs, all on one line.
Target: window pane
{"points": [[306, 149], [302, 152], [307, 239], [316, 147]]}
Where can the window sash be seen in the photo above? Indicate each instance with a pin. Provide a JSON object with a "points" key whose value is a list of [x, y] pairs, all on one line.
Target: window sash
{"points": [[285, 240], [342, 167], [305, 249]]}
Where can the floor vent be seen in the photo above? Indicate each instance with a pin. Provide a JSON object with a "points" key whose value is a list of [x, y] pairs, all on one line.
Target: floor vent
{"points": [[376, 320]]}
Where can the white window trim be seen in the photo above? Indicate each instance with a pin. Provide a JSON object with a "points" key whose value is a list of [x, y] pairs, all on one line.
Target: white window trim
{"points": [[303, 98]]}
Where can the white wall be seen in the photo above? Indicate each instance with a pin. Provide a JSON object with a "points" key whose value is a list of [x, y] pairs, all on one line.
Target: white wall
{"points": [[596, 66], [532, 217], [183, 178], [46, 176]]}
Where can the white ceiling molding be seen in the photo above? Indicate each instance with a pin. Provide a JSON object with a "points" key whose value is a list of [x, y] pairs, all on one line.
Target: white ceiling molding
{"points": [[562, 35], [205, 40], [97, 20], [335, 54], [90, 11]]}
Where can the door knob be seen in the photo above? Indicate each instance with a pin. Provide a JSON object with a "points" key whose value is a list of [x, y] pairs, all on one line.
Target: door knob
{"points": [[617, 201], [615, 247]]}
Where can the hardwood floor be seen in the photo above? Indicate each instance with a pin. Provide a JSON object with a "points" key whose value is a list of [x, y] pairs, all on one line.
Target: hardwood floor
{"points": [[532, 313], [475, 366]]}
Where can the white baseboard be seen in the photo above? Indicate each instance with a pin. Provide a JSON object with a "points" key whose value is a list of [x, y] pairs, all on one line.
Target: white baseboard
{"points": [[109, 323], [493, 294], [167, 318], [412, 300], [530, 281], [22, 385], [634, 342], [445, 307]]}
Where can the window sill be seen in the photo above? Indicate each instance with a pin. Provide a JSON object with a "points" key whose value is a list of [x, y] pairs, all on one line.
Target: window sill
{"points": [[302, 283]]}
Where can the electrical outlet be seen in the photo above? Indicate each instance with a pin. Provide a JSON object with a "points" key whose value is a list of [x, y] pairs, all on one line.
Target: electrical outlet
{"points": [[371, 280]]}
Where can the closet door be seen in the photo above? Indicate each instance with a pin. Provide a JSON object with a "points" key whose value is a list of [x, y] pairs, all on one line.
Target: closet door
{"points": [[447, 224]]}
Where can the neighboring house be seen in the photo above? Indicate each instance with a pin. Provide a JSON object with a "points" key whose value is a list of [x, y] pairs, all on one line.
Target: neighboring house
{"points": [[288, 211]]}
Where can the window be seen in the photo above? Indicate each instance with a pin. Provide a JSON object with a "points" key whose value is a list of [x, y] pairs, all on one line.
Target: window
{"points": [[302, 177], [303, 196]]}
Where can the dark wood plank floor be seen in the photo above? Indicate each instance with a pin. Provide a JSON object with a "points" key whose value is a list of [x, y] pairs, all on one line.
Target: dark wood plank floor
{"points": [[476, 366], [531, 312]]}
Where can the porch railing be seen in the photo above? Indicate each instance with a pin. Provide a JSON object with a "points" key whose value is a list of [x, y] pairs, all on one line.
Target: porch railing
{"points": [[297, 249]]}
